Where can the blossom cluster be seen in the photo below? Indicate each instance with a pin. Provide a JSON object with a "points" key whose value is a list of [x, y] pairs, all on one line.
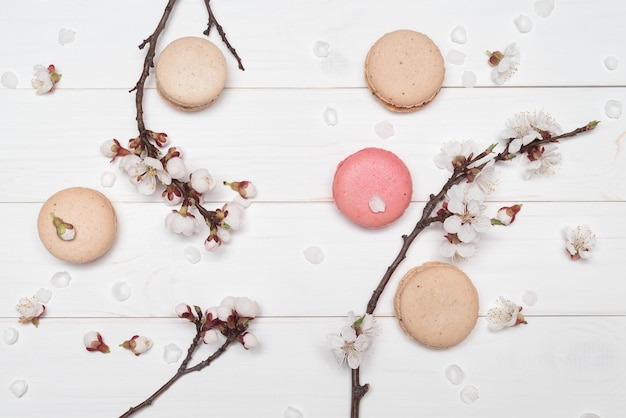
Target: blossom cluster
{"points": [[353, 340], [229, 320], [149, 168]]}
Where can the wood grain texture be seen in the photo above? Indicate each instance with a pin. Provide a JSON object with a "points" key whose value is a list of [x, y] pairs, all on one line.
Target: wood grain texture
{"points": [[268, 127]]}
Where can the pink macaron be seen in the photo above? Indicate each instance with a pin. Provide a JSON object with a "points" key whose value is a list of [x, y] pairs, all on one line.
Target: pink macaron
{"points": [[372, 187]]}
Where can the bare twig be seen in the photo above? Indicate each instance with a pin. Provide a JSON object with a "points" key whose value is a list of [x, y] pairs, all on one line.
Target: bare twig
{"points": [[213, 22]]}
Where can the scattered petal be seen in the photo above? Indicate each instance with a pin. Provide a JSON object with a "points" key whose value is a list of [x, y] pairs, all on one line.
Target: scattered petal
{"points": [[529, 298], [43, 295], [121, 291], [613, 109], [459, 35], [377, 204], [171, 353], [19, 387], [9, 80], [292, 412], [384, 129], [314, 255], [192, 254], [66, 36], [60, 279], [468, 79], [524, 23], [10, 336], [455, 57], [611, 63], [469, 394], [321, 49], [107, 179], [454, 374], [330, 116], [543, 8]]}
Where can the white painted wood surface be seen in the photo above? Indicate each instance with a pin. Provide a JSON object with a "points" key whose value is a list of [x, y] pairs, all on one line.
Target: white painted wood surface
{"points": [[268, 127]]}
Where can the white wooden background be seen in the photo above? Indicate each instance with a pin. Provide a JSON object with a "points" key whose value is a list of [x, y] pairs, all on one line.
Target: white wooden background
{"points": [[268, 127]]}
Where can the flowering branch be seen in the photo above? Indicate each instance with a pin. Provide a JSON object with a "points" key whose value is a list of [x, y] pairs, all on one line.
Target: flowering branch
{"points": [[228, 322], [145, 162], [528, 138]]}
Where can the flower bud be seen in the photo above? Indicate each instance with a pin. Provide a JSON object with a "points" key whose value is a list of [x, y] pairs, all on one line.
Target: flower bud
{"points": [[245, 188], [212, 243], [137, 344], [210, 336], [184, 311], [234, 214], [506, 215], [176, 167], [65, 231], [201, 181], [248, 340], [93, 342], [246, 307]]}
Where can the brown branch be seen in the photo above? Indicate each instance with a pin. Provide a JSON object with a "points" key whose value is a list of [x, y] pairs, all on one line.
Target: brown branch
{"points": [[183, 369], [427, 218], [213, 22], [148, 63]]}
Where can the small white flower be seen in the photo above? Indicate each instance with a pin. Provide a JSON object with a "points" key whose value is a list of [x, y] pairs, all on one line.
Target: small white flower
{"points": [[144, 175], [202, 181], [507, 64], [233, 217], [467, 220], [246, 307], [454, 248], [179, 223], [366, 324], [44, 79], [505, 314], [30, 309], [540, 161], [138, 344], [176, 167], [249, 340], [348, 346], [454, 154], [580, 241], [484, 182], [525, 127]]}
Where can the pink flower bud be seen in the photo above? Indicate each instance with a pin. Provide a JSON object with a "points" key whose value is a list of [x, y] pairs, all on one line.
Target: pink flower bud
{"points": [[246, 307], [201, 181], [212, 243], [224, 312], [211, 336], [184, 311], [93, 342], [245, 188], [248, 340], [506, 215], [176, 167], [137, 344]]}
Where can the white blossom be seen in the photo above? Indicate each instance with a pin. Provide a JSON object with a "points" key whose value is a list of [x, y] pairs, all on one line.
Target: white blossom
{"points": [[366, 324], [454, 248], [42, 80], [138, 344], [30, 309], [211, 336], [144, 175], [246, 307], [180, 223], [202, 181], [347, 346], [525, 127], [580, 241], [249, 340], [176, 167], [467, 220], [540, 162], [505, 314], [454, 153], [233, 217], [507, 65]]}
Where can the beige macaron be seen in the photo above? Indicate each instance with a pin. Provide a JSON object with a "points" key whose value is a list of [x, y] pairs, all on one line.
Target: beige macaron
{"points": [[190, 73], [404, 70], [91, 216], [436, 304]]}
